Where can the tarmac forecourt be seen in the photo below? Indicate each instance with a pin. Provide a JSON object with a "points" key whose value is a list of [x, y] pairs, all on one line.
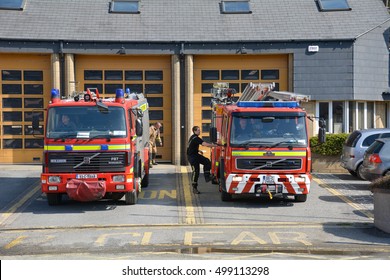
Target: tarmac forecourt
{"points": [[193, 234]]}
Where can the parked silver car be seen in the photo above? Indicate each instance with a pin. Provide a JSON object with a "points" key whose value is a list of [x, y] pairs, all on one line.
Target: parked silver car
{"points": [[376, 161], [355, 146]]}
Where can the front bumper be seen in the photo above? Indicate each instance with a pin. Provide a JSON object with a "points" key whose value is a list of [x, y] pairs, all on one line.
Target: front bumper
{"points": [[57, 182], [286, 184]]}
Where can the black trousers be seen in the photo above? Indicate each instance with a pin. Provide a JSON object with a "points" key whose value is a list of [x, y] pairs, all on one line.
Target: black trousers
{"points": [[196, 161]]}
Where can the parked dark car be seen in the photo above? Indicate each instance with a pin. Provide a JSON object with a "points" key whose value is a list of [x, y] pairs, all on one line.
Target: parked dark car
{"points": [[376, 161], [355, 146]]}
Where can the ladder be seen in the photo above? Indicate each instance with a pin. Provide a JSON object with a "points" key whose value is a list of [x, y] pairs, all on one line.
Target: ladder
{"points": [[259, 92], [255, 92]]}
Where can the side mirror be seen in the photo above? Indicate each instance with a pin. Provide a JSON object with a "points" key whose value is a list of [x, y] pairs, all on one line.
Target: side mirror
{"points": [[138, 127], [213, 134], [321, 135]]}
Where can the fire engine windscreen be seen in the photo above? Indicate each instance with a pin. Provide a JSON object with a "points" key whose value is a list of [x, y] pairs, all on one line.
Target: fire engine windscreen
{"points": [[268, 130], [86, 122]]}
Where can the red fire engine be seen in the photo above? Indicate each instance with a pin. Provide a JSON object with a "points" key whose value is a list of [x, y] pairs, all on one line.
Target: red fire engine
{"points": [[263, 146], [95, 148]]}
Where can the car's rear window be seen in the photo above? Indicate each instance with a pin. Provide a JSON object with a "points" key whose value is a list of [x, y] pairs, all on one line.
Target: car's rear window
{"points": [[370, 139], [375, 147], [353, 138]]}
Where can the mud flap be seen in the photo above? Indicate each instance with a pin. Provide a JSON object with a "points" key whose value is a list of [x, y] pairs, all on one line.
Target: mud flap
{"points": [[85, 191]]}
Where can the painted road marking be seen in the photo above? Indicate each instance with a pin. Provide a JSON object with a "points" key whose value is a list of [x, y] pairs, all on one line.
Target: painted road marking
{"points": [[189, 207], [350, 202], [17, 203]]}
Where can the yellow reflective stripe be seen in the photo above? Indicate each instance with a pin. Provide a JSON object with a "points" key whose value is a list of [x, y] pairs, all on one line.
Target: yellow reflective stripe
{"points": [[86, 147], [54, 148], [144, 107], [264, 153], [119, 147]]}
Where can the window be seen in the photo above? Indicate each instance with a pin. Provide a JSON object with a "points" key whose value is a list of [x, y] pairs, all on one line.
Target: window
{"points": [[333, 5], [12, 4], [210, 74], [124, 6], [235, 7]]}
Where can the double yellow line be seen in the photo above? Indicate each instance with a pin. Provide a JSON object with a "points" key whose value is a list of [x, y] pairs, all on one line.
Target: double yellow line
{"points": [[189, 207], [335, 192]]}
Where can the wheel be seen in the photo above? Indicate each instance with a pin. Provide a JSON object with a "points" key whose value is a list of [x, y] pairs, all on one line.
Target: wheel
{"points": [[225, 196], [353, 173], [53, 198], [358, 171], [300, 197], [131, 198], [116, 195], [145, 181]]}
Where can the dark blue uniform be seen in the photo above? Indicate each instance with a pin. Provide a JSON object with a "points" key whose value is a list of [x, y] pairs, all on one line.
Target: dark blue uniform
{"points": [[196, 159]]}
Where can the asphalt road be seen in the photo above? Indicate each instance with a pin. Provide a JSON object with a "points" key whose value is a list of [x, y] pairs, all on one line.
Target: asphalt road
{"points": [[169, 222]]}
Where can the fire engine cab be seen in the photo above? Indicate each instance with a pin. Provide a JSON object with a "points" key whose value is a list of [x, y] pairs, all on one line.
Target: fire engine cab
{"points": [[95, 148], [263, 144]]}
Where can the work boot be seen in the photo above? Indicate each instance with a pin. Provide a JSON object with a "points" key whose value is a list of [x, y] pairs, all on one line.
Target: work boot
{"points": [[195, 189], [207, 177], [153, 159]]}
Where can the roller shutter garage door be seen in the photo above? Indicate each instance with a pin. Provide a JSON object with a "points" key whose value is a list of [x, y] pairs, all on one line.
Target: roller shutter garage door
{"points": [[148, 74], [238, 71]]}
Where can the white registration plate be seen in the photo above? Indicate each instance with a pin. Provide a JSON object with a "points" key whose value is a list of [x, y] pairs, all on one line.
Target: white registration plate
{"points": [[86, 176], [269, 180]]}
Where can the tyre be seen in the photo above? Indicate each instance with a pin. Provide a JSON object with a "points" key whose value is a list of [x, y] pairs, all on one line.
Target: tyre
{"points": [[145, 181], [131, 198], [53, 198], [300, 197], [225, 196], [358, 171], [353, 173], [116, 195]]}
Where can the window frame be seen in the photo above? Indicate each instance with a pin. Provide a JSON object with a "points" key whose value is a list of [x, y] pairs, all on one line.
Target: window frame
{"points": [[324, 8], [225, 8], [112, 8], [19, 7]]}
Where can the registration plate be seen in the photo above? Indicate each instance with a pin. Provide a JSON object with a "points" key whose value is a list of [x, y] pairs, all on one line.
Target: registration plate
{"points": [[86, 176], [269, 180]]}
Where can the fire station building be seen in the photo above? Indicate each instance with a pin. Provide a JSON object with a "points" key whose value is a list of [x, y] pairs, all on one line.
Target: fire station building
{"points": [[173, 51]]}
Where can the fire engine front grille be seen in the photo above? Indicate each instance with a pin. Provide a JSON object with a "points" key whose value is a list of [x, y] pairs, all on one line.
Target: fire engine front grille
{"points": [[269, 164], [86, 162]]}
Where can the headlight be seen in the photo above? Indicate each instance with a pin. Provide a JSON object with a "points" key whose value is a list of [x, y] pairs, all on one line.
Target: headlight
{"points": [[237, 179], [300, 179], [54, 179], [118, 178]]}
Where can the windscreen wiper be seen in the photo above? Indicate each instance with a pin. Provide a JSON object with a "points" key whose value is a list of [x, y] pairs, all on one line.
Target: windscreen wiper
{"points": [[106, 136], [285, 142]]}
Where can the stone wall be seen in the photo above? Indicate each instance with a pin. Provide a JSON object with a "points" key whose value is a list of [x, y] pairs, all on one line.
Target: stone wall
{"points": [[326, 164]]}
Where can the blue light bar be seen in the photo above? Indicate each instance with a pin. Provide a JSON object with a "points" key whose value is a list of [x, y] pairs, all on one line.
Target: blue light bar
{"points": [[55, 93], [119, 93], [262, 104]]}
